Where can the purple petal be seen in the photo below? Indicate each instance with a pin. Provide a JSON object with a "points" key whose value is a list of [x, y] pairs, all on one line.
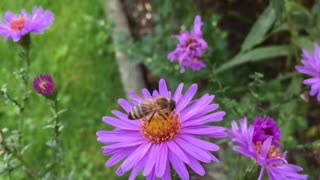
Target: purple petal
{"points": [[135, 99], [118, 157], [150, 163], [196, 31], [187, 97], [178, 94], [200, 143], [121, 124], [137, 168], [125, 105], [193, 150], [179, 167], [124, 144], [161, 160], [167, 175], [146, 94], [203, 131], [163, 90], [214, 117], [195, 107], [175, 149], [134, 157], [196, 166]]}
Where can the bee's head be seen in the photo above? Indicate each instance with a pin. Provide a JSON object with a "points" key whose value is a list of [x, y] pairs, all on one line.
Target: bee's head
{"points": [[172, 104]]}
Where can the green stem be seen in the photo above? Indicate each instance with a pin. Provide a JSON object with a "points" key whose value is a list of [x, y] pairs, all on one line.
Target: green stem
{"points": [[28, 167], [53, 105], [25, 44]]}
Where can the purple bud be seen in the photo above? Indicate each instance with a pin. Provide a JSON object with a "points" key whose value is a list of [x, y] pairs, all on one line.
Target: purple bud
{"points": [[43, 84]]}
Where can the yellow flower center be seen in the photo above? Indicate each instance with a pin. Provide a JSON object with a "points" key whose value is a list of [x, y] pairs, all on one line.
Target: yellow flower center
{"points": [[17, 23], [158, 130]]}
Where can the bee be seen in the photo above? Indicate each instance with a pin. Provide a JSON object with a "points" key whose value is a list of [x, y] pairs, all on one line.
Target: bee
{"points": [[147, 108]]}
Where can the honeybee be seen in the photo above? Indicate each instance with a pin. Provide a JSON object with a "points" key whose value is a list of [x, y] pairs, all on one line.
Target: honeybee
{"points": [[147, 108]]}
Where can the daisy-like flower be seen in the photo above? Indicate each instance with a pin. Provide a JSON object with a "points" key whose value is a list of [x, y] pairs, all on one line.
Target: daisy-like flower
{"points": [[43, 84], [264, 149], [157, 144], [190, 48], [17, 25], [311, 67]]}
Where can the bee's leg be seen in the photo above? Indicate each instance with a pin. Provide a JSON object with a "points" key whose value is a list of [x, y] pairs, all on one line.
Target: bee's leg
{"points": [[150, 118], [164, 115]]}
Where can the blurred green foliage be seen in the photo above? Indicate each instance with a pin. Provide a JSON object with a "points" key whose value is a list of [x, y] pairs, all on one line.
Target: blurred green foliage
{"points": [[252, 77]]}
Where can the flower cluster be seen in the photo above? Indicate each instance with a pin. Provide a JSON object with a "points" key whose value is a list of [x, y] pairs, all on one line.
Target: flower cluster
{"points": [[311, 67], [17, 25], [260, 141], [153, 144], [190, 48]]}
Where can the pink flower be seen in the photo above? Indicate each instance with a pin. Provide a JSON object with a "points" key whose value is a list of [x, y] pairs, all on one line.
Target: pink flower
{"points": [[17, 25], [265, 154], [190, 48], [311, 67], [156, 145]]}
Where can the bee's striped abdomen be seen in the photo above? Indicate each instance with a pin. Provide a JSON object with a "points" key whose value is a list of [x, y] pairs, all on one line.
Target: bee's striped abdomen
{"points": [[136, 113]]}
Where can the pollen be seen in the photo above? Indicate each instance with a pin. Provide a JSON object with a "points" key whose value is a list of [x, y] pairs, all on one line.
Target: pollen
{"points": [[158, 130], [17, 23], [274, 152]]}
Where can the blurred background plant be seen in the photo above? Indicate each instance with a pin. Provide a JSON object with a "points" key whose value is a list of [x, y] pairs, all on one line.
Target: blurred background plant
{"points": [[253, 48]]}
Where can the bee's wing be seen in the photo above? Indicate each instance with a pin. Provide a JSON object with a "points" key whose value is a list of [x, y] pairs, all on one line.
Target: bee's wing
{"points": [[146, 107]]}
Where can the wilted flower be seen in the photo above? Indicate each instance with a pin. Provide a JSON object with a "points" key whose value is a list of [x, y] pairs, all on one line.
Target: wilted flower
{"points": [[153, 146], [17, 25], [43, 85], [264, 151], [190, 48], [311, 67]]}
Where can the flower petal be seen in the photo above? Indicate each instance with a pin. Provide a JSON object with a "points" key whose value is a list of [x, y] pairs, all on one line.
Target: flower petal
{"points": [[121, 124], [179, 167], [163, 90], [125, 105], [187, 97], [177, 94], [175, 149], [161, 160], [193, 150], [134, 157]]}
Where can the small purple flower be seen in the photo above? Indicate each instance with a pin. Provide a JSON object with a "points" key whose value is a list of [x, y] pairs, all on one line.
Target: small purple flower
{"points": [[156, 145], [190, 48], [17, 25], [43, 85], [265, 127], [265, 154], [311, 67]]}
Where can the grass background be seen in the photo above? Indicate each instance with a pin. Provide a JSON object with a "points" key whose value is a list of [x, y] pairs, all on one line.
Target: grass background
{"points": [[77, 51]]}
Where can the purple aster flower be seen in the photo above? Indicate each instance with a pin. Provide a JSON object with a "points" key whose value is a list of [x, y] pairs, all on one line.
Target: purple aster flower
{"points": [[157, 144], [43, 85], [311, 67], [265, 154], [265, 127], [17, 25], [190, 48]]}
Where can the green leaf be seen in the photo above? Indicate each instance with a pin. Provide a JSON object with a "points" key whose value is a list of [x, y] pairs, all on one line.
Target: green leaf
{"points": [[259, 29], [278, 6], [256, 54]]}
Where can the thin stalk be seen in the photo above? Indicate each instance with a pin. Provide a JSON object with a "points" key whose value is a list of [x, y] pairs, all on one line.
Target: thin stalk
{"points": [[53, 105], [25, 43]]}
